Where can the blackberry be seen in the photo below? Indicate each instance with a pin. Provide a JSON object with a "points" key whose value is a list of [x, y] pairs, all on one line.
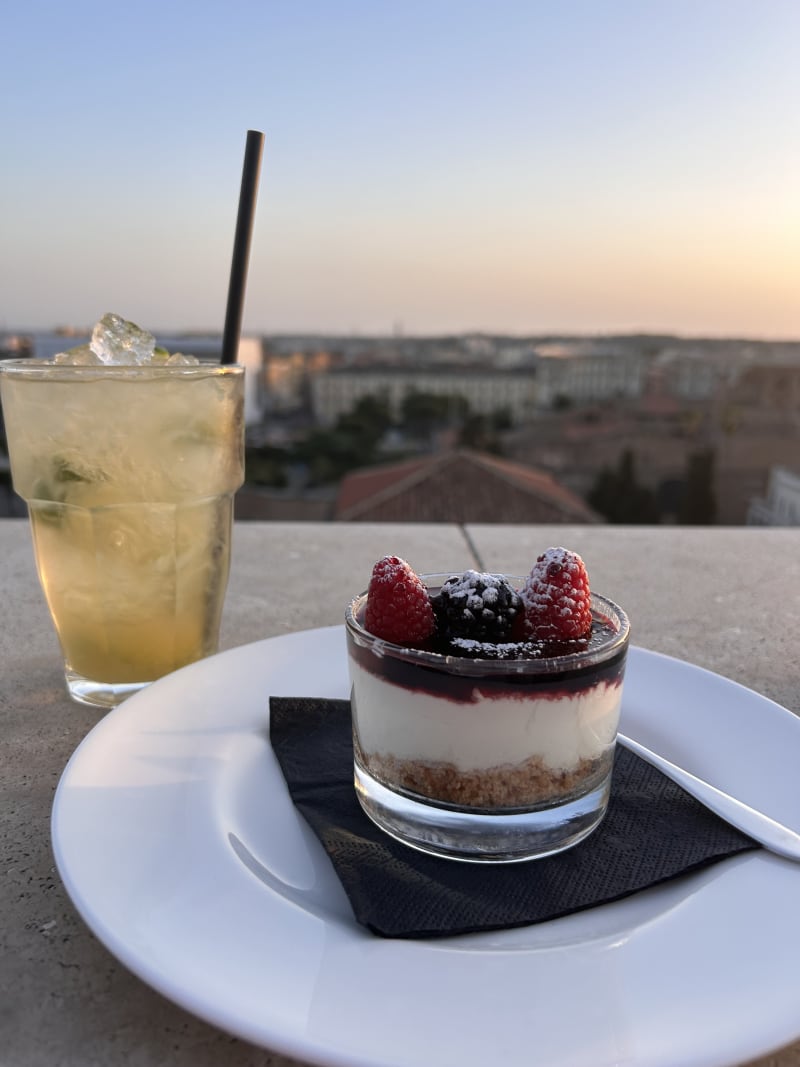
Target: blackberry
{"points": [[482, 607]]}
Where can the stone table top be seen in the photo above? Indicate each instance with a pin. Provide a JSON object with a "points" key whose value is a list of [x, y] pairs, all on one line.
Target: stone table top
{"points": [[727, 599]]}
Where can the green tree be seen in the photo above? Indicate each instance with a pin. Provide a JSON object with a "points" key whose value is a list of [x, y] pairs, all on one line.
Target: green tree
{"points": [[329, 454], [477, 431], [266, 466], [698, 505], [353, 442], [618, 496], [368, 421], [501, 419], [422, 414]]}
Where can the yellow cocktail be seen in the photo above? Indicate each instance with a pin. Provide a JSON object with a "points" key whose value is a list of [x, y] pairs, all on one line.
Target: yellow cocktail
{"points": [[129, 473]]}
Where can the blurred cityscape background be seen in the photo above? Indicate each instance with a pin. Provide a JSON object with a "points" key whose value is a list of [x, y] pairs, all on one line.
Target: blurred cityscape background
{"points": [[515, 261], [491, 428]]}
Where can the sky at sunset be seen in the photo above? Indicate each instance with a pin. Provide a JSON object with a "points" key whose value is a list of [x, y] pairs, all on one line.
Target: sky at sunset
{"points": [[518, 166]]}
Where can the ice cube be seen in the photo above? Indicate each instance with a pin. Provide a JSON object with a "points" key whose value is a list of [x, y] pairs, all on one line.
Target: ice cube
{"points": [[81, 356], [116, 341], [178, 359]]}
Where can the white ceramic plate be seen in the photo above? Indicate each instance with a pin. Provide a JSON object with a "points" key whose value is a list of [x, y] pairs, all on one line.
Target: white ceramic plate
{"points": [[176, 839]]}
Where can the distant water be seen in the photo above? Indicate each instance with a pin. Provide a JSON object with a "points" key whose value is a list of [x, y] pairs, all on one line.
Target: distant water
{"points": [[49, 344]]}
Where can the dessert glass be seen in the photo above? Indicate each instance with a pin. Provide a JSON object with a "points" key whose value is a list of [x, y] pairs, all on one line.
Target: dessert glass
{"points": [[487, 760], [129, 474]]}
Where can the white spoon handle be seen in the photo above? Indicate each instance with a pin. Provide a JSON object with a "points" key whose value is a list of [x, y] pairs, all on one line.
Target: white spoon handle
{"points": [[771, 834]]}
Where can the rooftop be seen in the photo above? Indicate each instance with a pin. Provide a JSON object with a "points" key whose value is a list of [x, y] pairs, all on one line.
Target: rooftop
{"points": [[460, 486]]}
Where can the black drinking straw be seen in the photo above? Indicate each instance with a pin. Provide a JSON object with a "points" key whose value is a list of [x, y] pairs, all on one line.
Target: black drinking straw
{"points": [[241, 245]]}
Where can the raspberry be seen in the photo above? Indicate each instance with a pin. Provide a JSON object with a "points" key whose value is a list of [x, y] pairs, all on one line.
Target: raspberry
{"points": [[479, 606], [557, 597], [398, 605]]}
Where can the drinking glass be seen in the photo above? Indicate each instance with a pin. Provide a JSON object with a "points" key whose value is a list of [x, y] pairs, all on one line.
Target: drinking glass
{"points": [[486, 760], [129, 474]]}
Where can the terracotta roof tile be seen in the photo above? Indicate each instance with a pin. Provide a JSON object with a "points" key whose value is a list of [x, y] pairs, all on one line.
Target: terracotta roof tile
{"points": [[365, 482], [460, 486]]}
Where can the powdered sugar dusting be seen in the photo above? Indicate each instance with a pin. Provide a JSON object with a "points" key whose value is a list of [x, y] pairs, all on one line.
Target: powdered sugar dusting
{"points": [[463, 584], [477, 605], [389, 570], [398, 606], [510, 650], [556, 595]]}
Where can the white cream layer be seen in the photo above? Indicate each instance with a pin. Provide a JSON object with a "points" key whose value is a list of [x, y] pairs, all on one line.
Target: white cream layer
{"points": [[393, 721]]}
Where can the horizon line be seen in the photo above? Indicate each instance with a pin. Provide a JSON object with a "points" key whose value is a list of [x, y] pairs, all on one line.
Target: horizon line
{"points": [[69, 330]]}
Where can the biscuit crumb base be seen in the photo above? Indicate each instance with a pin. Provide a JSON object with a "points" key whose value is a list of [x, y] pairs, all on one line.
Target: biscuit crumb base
{"points": [[519, 785]]}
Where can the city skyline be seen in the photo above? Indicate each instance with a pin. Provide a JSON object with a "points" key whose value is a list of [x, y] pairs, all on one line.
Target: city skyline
{"points": [[516, 168]]}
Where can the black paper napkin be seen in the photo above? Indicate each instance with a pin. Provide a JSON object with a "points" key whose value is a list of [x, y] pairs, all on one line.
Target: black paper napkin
{"points": [[653, 831]]}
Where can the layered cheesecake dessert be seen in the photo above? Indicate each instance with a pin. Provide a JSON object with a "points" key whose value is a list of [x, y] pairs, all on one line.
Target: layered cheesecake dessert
{"points": [[483, 691]]}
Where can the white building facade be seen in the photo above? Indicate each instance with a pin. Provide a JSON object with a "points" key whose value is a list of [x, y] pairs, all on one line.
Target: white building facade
{"points": [[585, 377], [485, 390], [251, 355], [781, 505]]}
